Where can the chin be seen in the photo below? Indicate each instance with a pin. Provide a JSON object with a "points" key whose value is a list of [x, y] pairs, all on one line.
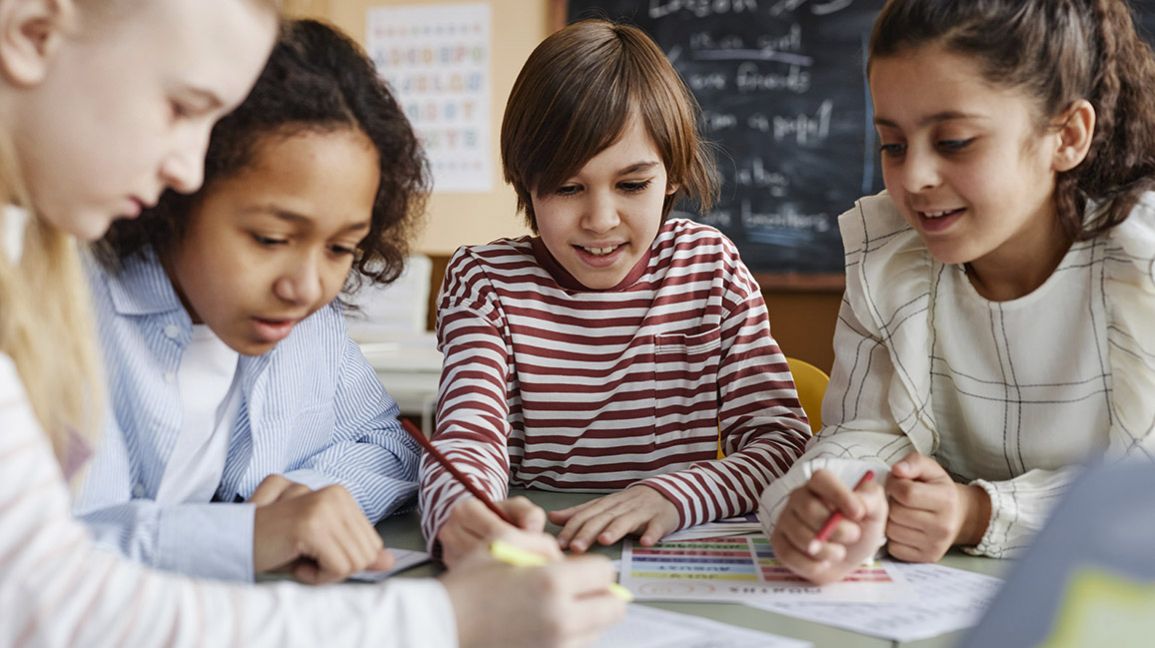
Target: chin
{"points": [[86, 226]]}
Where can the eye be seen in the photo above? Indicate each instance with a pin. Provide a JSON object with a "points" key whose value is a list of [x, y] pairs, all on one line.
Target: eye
{"points": [[179, 110], [342, 250], [892, 150], [954, 146], [269, 241], [568, 190], [634, 187]]}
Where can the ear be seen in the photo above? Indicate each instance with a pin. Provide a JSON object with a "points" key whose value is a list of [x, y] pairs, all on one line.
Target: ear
{"points": [[30, 33], [1076, 128], [672, 188]]}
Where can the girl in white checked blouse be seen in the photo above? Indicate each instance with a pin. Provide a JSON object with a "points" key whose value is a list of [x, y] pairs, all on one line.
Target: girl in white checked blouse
{"points": [[993, 332], [102, 105], [606, 353]]}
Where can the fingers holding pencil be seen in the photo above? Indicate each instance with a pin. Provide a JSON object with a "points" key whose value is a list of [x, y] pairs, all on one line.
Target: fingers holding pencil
{"points": [[827, 529]]}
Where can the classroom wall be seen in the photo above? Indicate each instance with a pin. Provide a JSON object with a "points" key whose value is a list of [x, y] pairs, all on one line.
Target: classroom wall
{"points": [[801, 321]]}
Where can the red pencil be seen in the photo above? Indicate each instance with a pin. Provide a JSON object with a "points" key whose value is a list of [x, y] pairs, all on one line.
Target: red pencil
{"points": [[836, 517], [419, 437]]}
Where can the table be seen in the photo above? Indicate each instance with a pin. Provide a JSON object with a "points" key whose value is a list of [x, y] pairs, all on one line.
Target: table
{"points": [[403, 531]]}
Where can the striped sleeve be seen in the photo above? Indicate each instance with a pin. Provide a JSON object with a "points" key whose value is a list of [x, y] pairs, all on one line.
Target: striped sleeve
{"points": [[371, 455], [473, 406], [762, 425]]}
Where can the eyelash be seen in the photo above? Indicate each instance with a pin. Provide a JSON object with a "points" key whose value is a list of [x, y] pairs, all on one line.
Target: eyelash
{"points": [[267, 241], [270, 242], [627, 187], [946, 146]]}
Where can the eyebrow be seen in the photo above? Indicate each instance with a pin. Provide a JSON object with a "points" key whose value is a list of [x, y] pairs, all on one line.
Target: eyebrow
{"points": [[638, 166], [937, 118], [299, 219]]}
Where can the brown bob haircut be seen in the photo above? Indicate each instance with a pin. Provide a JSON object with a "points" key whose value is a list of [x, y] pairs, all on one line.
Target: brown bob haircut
{"points": [[574, 98]]}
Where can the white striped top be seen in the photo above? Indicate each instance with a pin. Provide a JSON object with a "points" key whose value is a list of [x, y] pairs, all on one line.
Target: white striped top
{"points": [[57, 589], [550, 385]]}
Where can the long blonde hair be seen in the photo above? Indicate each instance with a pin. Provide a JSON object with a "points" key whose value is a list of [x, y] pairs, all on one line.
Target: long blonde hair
{"points": [[46, 323]]}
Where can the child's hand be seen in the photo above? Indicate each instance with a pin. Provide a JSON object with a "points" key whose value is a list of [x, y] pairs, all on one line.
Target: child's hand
{"points": [[930, 513], [855, 539], [564, 603], [470, 525], [638, 509], [319, 536]]}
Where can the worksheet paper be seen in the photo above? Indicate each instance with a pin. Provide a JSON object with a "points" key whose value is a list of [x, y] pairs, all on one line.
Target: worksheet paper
{"points": [[405, 558], [743, 525], [647, 627], [742, 569], [947, 599]]}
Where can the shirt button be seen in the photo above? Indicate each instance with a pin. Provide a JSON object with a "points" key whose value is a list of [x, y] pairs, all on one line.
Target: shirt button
{"points": [[138, 490], [169, 377], [172, 330]]}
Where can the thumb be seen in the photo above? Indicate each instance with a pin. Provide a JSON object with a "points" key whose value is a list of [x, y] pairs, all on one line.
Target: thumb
{"points": [[525, 514], [269, 490], [384, 561], [917, 467]]}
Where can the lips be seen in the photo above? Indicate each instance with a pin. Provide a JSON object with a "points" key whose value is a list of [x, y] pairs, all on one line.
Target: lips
{"points": [[600, 250], [273, 330], [940, 214]]}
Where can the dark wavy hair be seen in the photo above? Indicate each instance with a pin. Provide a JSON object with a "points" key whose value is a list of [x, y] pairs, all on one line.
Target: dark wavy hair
{"points": [[317, 80], [1057, 51]]}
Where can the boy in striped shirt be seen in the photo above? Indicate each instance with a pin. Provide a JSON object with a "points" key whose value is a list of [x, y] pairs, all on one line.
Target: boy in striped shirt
{"points": [[608, 352]]}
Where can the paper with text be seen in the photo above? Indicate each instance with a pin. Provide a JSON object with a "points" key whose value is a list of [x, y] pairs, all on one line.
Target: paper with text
{"points": [[947, 599]]}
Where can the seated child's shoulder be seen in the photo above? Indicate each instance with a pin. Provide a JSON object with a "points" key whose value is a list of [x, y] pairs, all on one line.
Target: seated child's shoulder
{"points": [[502, 250], [683, 234]]}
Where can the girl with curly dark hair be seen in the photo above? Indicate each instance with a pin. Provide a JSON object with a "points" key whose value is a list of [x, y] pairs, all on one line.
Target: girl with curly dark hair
{"points": [[232, 376]]}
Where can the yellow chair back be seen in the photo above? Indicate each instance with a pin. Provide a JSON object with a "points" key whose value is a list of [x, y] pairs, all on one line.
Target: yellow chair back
{"points": [[810, 381]]}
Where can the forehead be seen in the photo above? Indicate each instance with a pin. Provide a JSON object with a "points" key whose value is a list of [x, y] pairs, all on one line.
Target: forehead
{"points": [[916, 84], [329, 177], [218, 45], [634, 144]]}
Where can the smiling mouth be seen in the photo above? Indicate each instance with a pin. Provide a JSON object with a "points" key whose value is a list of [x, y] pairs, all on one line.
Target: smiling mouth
{"points": [[601, 251], [940, 214]]}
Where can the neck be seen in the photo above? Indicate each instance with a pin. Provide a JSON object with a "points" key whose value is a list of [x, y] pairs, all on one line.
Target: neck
{"points": [[1020, 267]]}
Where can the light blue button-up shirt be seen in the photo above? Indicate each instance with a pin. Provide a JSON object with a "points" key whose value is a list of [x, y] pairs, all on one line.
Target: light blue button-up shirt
{"points": [[312, 410]]}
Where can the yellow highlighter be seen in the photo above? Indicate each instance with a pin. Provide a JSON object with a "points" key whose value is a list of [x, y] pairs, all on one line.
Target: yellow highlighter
{"points": [[519, 557]]}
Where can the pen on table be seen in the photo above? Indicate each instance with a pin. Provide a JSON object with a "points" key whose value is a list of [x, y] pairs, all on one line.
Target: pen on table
{"points": [[518, 557], [836, 517], [419, 437]]}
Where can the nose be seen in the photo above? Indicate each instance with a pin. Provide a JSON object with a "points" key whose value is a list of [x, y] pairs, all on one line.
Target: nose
{"points": [[300, 284], [920, 171], [601, 214], [183, 169]]}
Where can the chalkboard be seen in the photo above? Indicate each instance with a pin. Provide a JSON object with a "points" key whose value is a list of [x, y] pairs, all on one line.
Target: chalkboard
{"points": [[783, 95]]}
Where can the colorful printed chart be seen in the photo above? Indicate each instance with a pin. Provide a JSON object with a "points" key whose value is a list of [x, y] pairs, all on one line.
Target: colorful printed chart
{"points": [[741, 569]]}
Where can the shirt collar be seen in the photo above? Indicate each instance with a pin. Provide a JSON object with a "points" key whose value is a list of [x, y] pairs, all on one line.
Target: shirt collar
{"points": [[142, 287]]}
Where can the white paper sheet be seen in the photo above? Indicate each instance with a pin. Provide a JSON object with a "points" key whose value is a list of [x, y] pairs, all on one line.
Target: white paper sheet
{"points": [[647, 627], [743, 525], [948, 599], [405, 558]]}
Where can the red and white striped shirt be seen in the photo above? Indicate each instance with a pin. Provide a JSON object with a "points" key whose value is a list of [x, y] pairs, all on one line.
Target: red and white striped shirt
{"points": [[547, 384]]}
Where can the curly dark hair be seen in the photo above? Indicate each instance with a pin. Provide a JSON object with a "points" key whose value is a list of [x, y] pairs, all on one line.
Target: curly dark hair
{"points": [[1057, 51], [316, 80]]}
